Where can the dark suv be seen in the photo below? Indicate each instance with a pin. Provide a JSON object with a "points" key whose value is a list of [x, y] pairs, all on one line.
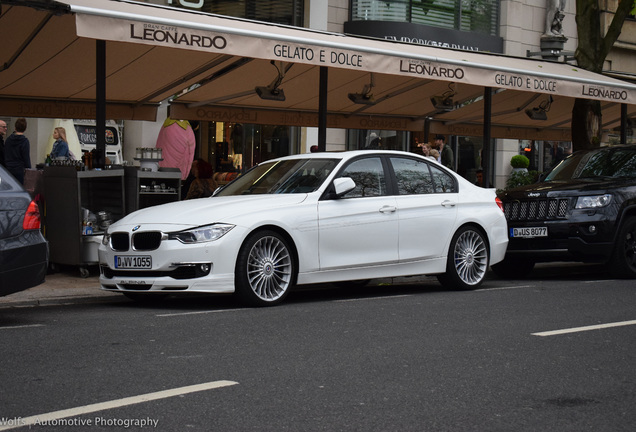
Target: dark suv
{"points": [[584, 209]]}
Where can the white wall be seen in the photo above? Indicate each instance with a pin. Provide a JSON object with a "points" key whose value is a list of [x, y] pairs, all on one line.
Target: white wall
{"points": [[142, 134], [522, 23]]}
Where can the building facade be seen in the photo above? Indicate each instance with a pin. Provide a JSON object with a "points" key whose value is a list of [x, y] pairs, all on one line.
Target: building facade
{"points": [[510, 27]]}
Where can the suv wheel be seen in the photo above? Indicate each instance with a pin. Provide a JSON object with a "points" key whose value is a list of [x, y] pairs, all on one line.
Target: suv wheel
{"points": [[623, 263]]}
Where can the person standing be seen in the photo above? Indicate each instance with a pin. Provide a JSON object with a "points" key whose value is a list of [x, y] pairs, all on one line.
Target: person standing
{"points": [[3, 131], [17, 151], [60, 146], [446, 153], [203, 185], [426, 149]]}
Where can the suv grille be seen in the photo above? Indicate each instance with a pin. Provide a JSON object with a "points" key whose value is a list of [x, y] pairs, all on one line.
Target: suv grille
{"points": [[542, 209]]}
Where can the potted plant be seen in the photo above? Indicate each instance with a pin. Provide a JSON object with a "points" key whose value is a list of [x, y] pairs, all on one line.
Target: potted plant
{"points": [[519, 163]]}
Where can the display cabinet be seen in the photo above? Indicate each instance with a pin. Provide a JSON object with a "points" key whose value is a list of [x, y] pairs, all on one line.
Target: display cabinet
{"points": [[150, 188], [79, 206]]}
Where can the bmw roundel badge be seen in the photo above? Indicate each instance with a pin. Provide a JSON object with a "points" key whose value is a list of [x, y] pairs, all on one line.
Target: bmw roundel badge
{"points": [[136, 228]]}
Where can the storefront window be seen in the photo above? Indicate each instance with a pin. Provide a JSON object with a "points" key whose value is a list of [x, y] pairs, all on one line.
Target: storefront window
{"points": [[289, 12], [481, 16], [236, 147], [374, 139], [468, 157], [543, 155]]}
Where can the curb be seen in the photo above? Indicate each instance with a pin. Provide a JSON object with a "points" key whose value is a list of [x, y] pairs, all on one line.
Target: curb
{"points": [[60, 301]]}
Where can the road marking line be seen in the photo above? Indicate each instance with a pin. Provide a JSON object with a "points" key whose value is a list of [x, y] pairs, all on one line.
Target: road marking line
{"points": [[199, 312], [117, 403], [373, 298], [22, 326], [586, 328], [505, 288]]}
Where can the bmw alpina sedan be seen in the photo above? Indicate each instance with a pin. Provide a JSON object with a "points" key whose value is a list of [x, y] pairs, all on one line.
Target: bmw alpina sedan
{"points": [[310, 218]]}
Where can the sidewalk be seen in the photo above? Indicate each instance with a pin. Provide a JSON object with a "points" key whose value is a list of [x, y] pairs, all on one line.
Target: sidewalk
{"points": [[66, 286]]}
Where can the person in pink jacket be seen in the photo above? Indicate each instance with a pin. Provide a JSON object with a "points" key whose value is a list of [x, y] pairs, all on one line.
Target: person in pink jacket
{"points": [[176, 139]]}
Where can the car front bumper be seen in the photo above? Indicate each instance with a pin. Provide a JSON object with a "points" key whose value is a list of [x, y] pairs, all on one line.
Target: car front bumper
{"points": [[583, 238]]}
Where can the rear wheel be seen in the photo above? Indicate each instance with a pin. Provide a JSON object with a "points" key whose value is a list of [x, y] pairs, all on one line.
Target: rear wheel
{"points": [[623, 263], [265, 269], [468, 259]]}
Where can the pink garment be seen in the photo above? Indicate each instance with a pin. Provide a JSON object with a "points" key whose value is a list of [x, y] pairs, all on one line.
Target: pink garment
{"points": [[177, 144]]}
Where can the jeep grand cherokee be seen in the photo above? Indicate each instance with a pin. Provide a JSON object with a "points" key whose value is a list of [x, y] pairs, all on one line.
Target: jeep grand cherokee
{"points": [[583, 210]]}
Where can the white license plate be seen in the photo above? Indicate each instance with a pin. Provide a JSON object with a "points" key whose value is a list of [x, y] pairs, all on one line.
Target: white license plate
{"points": [[133, 261], [530, 232]]}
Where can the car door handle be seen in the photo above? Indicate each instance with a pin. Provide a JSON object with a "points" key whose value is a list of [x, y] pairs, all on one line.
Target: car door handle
{"points": [[388, 209], [448, 203]]}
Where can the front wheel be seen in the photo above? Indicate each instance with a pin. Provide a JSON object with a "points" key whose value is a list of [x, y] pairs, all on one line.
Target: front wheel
{"points": [[265, 269], [623, 263], [468, 259]]}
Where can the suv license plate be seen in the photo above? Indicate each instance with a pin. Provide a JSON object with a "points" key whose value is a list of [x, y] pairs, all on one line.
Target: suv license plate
{"points": [[133, 261], [529, 232]]}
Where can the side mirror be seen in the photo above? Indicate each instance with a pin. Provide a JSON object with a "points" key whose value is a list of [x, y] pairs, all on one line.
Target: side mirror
{"points": [[343, 185]]}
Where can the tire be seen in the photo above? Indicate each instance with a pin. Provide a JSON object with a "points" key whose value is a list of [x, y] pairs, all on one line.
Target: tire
{"points": [[623, 263], [513, 268], [265, 269], [468, 258]]}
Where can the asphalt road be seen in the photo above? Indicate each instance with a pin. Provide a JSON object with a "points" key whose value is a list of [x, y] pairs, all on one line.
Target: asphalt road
{"points": [[411, 357]]}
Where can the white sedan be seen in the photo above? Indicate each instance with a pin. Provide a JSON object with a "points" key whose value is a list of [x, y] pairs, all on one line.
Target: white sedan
{"points": [[310, 218]]}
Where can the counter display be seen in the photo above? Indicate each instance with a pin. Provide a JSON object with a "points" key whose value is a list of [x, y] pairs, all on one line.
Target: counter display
{"points": [[79, 205]]}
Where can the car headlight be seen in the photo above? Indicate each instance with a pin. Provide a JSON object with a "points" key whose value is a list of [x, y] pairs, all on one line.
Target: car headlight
{"points": [[201, 234], [594, 201], [106, 239]]}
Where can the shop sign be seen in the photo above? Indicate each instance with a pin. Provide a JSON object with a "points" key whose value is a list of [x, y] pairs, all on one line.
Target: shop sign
{"points": [[295, 46], [40, 108], [291, 118]]}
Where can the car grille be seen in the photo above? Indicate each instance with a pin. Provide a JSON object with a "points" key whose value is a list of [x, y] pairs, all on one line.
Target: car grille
{"points": [[536, 210], [141, 241]]}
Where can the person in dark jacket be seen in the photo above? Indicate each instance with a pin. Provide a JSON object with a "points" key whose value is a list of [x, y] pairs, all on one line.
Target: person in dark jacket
{"points": [[446, 153], [17, 151]]}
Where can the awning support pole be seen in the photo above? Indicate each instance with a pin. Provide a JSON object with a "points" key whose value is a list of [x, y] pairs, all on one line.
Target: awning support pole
{"points": [[623, 123], [485, 152], [322, 110], [100, 97]]}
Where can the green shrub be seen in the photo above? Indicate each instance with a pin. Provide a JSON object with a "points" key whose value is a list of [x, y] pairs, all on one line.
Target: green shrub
{"points": [[519, 161], [521, 178]]}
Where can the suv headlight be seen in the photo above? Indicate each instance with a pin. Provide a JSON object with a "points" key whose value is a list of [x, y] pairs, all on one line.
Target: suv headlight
{"points": [[201, 234], [594, 201]]}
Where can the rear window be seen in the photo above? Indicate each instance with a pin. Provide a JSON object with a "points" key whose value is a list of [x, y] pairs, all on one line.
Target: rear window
{"points": [[7, 182]]}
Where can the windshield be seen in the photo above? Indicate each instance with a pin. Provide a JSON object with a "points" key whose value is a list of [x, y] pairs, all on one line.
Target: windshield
{"points": [[282, 177], [602, 163]]}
